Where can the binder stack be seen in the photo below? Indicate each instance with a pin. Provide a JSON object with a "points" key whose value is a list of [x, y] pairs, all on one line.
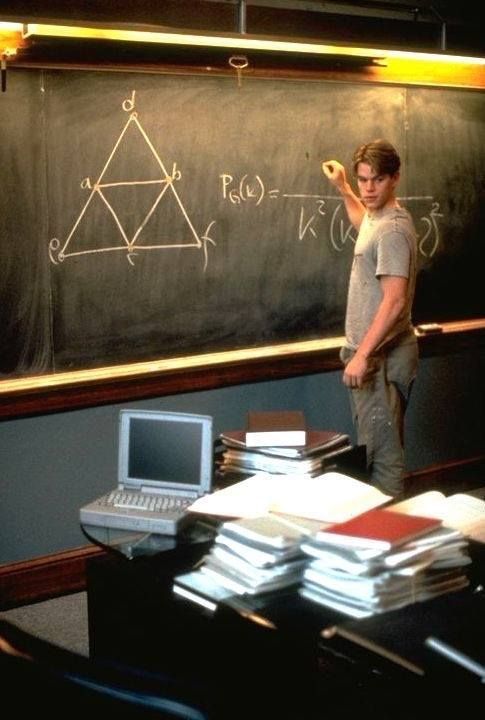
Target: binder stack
{"points": [[318, 454], [382, 560], [249, 556]]}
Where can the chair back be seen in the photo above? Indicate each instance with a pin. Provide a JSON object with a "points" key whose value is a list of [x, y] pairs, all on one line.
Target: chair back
{"points": [[37, 674]]}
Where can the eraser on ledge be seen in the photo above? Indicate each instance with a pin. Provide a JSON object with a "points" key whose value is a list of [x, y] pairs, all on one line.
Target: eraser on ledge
{"points": [[427, 328]]}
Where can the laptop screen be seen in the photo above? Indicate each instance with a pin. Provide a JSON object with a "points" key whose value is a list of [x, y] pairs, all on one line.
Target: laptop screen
{"points": [[167, 449]]}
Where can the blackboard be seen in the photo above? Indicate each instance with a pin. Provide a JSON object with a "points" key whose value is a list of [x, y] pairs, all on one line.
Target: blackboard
{"points": [[146, 215]]}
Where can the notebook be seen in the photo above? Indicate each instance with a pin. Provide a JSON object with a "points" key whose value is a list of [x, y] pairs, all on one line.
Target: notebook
{"points": [[165, 462]]}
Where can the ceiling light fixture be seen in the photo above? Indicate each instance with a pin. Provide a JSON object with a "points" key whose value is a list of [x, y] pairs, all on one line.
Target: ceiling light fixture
{"points": [[235, 41]]}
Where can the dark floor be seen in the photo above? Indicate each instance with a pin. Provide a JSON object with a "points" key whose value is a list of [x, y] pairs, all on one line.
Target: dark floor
{"points": [[63, 621]]}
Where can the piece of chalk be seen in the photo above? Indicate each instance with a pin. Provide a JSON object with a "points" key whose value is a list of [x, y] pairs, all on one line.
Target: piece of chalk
{"points": [[427, 328]]}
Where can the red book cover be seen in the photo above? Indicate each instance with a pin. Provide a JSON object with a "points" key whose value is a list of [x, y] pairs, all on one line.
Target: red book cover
{"points": [[378, 528]]}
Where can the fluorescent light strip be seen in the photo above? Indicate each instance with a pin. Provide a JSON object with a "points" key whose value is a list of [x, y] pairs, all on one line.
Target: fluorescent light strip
{"points": [[238, 42], [9, 26]]}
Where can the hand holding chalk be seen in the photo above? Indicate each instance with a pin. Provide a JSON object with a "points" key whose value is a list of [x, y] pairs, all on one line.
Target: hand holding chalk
{"points": [[335, 172]]}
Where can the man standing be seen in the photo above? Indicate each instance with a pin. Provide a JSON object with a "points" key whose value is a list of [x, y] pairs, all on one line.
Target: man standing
{"points": [[380, 352]]}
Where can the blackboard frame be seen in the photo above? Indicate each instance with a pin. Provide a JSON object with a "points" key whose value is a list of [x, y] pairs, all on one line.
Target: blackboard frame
{"points": [[23, 397]]}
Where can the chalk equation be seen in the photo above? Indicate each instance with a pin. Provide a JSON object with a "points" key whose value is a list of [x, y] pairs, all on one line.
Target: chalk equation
{"points": [[319, 213], [138, 241]]}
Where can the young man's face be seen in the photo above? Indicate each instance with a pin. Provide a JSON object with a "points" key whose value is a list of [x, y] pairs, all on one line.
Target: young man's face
{"points": [[376, 191]]}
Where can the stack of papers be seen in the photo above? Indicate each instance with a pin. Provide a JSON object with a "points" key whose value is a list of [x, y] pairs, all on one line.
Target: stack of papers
{"points": [[319, 451], [354, 569], [331, 536], [249, 557]]}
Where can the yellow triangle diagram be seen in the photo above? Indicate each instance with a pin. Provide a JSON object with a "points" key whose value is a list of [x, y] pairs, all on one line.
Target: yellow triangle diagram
{"points": [[130, 205]]}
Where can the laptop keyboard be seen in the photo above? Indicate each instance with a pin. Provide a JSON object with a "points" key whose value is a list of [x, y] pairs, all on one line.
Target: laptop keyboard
{"points": [[143, 501]]}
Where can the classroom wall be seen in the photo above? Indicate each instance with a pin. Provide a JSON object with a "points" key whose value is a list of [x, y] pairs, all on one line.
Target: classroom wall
{"points": [[52, 464]]}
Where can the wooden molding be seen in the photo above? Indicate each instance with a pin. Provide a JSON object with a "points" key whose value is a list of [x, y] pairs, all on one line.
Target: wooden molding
{"points": [[46, 577], [35, 395]]}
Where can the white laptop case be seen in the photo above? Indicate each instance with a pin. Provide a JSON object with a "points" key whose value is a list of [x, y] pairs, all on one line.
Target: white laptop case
{"points": [[164, 458]]}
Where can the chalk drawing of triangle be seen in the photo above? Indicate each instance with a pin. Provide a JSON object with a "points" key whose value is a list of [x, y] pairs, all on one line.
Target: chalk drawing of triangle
{"points": [[133, 204]]}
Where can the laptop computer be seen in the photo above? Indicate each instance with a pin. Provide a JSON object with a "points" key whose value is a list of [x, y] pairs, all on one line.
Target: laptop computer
{"points": [[165, 462]]}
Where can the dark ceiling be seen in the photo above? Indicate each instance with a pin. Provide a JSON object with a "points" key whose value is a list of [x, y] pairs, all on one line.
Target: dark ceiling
{"points": [[426, 26]]}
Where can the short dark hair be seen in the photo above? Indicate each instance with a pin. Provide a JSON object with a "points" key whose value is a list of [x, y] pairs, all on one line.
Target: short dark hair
{"points": [[380, 155]]}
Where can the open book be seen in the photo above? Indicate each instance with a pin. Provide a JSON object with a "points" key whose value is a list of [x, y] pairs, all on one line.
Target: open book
{"points": [[331, 497], [459, 511]]}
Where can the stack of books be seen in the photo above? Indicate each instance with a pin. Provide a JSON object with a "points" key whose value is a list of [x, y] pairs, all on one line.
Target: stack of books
{"points": [[250, 556], [382, 560], [311, 459]]}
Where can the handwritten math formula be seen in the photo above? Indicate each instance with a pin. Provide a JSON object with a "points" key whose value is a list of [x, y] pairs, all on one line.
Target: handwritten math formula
{"points": [[321, 215]]}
